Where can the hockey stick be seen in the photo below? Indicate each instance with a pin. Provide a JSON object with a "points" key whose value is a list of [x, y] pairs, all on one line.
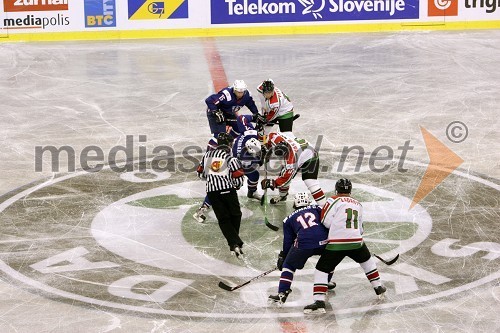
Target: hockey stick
{"points": [[275, 121], [269, 225], [271, 123], [388, 262], [229, 288], [263, 202]]}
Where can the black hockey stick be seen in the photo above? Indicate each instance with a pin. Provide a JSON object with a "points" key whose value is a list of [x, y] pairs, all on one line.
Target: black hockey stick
{"points": [[388, 262], [270, 226], [229, 288], [271, 123], [275, 121], [263, 202]]}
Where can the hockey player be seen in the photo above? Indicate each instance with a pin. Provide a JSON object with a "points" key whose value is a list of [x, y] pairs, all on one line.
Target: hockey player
{"points": [[303, 237], [223, 107], [299, 155], [224, 175], [275, 105], [343, 216], [243, 150], [250, 160]]}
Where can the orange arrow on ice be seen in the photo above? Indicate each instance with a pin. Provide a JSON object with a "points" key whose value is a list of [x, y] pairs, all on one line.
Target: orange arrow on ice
{"points": [[442, 162]]}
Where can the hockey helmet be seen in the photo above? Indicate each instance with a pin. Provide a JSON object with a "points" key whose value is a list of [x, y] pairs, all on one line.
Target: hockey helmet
{"points": [[343, 185], [253, 146], [239, 86], [281, 149], [267, 86], [224, 139], [301, 199]]}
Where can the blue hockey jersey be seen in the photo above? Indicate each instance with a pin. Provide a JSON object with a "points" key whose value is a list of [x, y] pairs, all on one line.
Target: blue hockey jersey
{"points": [[245, 127], [304, 230], [226, 101]]}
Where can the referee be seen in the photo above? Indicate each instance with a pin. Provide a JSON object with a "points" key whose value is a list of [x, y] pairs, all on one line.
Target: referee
{"points": [[224, 175]]}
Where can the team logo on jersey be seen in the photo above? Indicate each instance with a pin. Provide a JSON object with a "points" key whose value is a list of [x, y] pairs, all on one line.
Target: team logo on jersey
{"points": [[155, 10], [442, 7], [216, 165], [127, 241]]}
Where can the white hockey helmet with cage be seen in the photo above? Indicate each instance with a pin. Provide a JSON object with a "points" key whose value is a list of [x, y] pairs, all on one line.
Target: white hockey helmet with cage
{"points": [[239, 86], [301, 199], [253, 146]]}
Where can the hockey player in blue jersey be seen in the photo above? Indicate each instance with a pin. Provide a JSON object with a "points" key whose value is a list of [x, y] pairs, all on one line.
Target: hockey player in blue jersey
{"points": [[303, 237], [246, 148], [223, 107], [245, 151]]}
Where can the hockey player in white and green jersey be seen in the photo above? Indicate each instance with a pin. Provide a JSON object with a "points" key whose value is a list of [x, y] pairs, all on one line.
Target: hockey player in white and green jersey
{"points": [[275, 106], [343, 216]]}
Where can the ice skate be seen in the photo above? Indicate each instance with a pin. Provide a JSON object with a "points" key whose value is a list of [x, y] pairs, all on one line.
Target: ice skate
{"points": [[200, 216], [237, 251], [380, 291], [254, 195], [279, 299], [277, 199], [316, 307]]}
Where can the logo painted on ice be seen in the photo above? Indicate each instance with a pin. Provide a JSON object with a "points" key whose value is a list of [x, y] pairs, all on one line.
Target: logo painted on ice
{"points": [[127, 241], [254, 11]]}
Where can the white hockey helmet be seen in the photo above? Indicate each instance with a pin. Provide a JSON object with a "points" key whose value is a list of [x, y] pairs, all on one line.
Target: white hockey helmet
{"points": [[253, 146], [301, 199], [239, 85]]}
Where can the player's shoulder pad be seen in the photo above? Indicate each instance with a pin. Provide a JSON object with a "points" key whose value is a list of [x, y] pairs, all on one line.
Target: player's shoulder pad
{"points": [[259, 88], [227, 94]]}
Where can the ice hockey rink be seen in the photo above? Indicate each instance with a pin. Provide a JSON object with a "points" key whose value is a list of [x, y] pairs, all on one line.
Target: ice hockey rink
{"points": [[118, 251]]}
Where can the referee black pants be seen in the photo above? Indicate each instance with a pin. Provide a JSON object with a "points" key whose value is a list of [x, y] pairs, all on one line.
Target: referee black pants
{"points": [[227, 210]]}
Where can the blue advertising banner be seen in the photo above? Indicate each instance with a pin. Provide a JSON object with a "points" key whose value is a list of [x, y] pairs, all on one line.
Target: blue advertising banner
{"points": [[100, 13], [260, 11]]}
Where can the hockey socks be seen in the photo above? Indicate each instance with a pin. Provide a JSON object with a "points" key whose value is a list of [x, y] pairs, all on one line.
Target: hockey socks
{"points": [[371, 272], [286, 280], [320, 285], [316, 191]]}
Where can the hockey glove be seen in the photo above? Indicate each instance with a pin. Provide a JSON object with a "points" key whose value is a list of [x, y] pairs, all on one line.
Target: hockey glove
{"points": [[264, 155], [259, 119], [219, 117], [268, 183], [199, 171], [281, 260]]}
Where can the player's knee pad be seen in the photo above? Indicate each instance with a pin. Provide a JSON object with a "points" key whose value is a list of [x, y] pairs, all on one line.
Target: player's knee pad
{"points": [[252, 175], [324, 266]]}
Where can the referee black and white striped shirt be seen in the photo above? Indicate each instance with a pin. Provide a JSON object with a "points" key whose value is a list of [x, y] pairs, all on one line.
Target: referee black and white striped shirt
{"points": [[221, 170]]}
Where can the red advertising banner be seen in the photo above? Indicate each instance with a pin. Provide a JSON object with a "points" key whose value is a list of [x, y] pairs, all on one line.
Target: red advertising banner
{"points": [[34, 5], [443, 7]]}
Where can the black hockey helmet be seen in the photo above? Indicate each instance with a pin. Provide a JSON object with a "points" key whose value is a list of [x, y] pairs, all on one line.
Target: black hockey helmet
{"points": [[343, 185], [224, 139], [267, 86], [281, 149]]}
